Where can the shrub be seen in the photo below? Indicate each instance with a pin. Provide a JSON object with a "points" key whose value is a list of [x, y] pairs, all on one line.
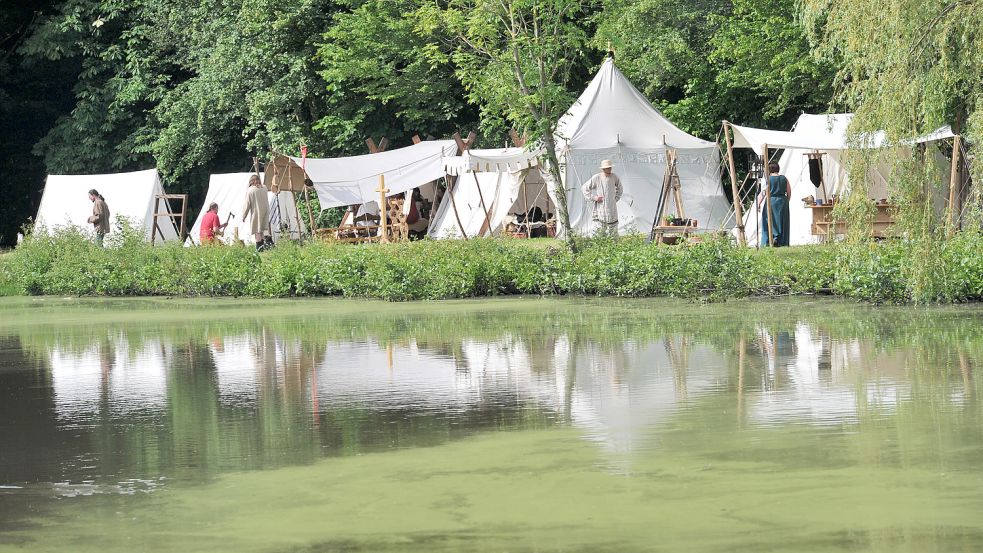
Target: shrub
{"points": [[68, 263]]}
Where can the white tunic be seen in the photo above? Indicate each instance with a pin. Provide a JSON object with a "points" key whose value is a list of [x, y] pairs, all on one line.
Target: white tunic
{"points": [[608, 187]]}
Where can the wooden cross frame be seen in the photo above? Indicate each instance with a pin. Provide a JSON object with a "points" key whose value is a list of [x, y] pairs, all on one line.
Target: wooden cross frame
{"points": [[462, 146], [671, 191], [383, 209], [382, 147]]}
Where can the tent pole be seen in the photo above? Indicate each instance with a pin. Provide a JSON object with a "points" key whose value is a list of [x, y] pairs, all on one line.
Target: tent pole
{"points": [[765, 180], [484, 208], [525, 205], [450, 190], [307, 198], [383, 209], [738, 207], [954, 184]]}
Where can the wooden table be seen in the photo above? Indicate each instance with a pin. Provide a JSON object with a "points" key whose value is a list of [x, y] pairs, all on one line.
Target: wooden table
{"points": [[823, 224], [676, 231]]}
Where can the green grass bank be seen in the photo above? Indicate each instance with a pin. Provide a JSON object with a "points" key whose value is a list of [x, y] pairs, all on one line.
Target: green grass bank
{"points": [[894, 272]]}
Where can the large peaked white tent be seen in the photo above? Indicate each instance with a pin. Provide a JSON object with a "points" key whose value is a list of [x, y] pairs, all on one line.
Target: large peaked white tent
{"points": [[228, 190], [65, 202], [826, 134], [491, 187], [613, 120]]}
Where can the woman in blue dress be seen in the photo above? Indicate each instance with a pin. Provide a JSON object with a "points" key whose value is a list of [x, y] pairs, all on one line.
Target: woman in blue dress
{"points": [[779, 191]]}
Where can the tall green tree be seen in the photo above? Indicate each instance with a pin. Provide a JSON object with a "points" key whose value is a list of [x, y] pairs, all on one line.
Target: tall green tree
{"points": [[518, 58], [387, 77], [702, 61]]}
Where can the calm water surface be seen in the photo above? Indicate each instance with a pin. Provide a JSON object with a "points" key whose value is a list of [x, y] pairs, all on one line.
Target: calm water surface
{"points": [[502, 425]]}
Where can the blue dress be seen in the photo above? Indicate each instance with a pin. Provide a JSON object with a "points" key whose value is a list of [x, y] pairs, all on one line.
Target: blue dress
{"points": [[777, 189]]}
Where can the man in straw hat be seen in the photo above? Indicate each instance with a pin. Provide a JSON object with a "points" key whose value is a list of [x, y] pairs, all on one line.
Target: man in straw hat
{"points": [[602, 192]]}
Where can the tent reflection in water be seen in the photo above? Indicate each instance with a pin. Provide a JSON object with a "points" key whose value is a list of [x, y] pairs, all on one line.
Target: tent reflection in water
{"points": [[824, 138], [496, 192], [613, 120], [131, 196]]}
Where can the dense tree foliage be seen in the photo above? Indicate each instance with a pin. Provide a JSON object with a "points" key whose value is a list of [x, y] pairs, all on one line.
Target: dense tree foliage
{"points": [[195, 87]]}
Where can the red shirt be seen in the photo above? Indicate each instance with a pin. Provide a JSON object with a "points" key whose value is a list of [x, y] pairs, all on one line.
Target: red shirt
{"points": [[208, 225]]}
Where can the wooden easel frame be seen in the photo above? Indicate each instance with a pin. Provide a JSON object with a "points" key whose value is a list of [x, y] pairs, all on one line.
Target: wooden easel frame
{"points": [[157, 215], [671, 191]]}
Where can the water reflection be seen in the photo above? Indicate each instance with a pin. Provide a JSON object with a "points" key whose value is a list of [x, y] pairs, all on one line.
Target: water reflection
{"points": [[121, 411], [138, 403]]}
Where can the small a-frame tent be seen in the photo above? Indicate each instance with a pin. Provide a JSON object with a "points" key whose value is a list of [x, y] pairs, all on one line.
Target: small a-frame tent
{"points": [[613, 120], [229, 192], [822, 134], [344, 181], [492, 188], [65, 202]]}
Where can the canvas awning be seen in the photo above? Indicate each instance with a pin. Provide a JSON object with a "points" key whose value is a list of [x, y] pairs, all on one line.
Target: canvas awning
{"points": [[820, 132], [355, 180], [495, 160]]}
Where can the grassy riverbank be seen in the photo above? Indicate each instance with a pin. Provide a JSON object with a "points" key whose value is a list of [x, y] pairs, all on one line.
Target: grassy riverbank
{"points": [[888, 272]]}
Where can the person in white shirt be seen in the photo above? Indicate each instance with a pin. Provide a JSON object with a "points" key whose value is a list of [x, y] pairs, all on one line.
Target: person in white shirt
{"points": [[602, 193]]}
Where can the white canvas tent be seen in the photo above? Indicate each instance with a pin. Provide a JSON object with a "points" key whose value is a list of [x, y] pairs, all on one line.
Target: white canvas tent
{"points": [[492, 186], [825, 134], [354, 180], [612, 120], [65, 202], [229, 192]]}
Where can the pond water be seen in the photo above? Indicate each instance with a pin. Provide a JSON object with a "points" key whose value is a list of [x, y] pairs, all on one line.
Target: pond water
{"points": [[520, 425]]}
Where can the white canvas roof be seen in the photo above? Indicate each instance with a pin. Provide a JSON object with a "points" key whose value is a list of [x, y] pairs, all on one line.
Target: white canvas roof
{"points": [[354, 180], [613, 120], [65, 201], [504, 193], [228, 190], [818, 132], [826, 134]]}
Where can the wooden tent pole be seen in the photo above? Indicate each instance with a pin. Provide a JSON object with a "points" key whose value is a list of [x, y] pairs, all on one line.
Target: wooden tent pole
{"points": [[734, 190], [954, 184], [481, 198], [450, 190], [525, 205], [383, 209], [766, 181], [307, 197]]}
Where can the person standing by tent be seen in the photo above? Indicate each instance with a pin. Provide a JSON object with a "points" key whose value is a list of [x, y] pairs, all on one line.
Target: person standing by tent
{"points": [[210, 226], [602, 192], [100, 216], [778, 192], [258, 205]]}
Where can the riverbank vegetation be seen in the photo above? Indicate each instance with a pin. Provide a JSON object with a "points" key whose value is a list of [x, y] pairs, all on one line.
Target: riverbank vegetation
{"points": [[887, 272]]}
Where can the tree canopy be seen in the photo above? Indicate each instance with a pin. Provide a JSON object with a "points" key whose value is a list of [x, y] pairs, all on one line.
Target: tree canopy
{"points": [[195, 87]]}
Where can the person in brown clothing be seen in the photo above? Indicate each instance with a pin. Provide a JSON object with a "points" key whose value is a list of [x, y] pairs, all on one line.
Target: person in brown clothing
{"points": [[100, 216]]}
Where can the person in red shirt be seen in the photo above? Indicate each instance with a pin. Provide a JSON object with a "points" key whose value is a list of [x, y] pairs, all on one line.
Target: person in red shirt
{"points": [[210, 226]]}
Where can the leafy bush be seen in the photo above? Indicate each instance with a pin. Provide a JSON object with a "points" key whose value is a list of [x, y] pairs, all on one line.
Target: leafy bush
{"points": [[715, 269]]}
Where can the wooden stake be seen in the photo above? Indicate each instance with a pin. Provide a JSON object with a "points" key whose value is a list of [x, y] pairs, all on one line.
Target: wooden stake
{"points": [[383, 209], [766, 181], [734, 190], [954, 185]]}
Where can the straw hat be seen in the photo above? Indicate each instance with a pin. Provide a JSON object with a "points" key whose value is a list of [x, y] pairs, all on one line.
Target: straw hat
{"points": [[606, 164]]}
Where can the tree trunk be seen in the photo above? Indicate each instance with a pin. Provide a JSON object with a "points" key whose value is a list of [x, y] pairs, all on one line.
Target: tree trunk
{"points": [[559, 190]]}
